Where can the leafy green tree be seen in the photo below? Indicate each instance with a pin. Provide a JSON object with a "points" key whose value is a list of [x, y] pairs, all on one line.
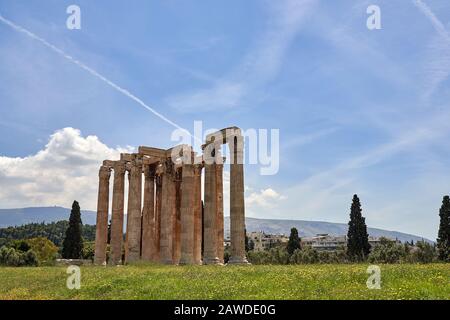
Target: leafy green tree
{"points": [[424, 252], [306, 255], [294, 241], [73, 242], [15, 258], [387, 251], [443, 240], [358, 246], [21, 245], [45, 250]]}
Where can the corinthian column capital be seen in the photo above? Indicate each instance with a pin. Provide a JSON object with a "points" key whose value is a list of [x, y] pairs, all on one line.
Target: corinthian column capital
{"points": [[119, 168], [104, 173]]}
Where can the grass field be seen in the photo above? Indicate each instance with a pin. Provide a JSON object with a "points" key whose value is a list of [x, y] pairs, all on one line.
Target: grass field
{"points": [[402, 281]]}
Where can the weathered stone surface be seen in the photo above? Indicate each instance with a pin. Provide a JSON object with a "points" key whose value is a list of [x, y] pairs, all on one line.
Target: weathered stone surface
{"points": [[173, 226], [101, 234], [187, 215], [134, 218], [237, 206], [117, 213], [210, 217], [158, 195], [198, 217], [148, 215], [167, 212], [219, 212], [176, 243]]}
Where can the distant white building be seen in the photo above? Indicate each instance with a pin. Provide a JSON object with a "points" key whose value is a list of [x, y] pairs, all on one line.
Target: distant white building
{"points": [[263, 241], [326, 242], [320, 242]]}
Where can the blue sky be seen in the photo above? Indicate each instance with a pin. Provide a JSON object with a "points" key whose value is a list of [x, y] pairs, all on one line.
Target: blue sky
{"points": [[359, 111]]}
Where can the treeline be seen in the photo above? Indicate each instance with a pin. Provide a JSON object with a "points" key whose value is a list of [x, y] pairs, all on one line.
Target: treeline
{"points": [[41, 244], [54, 231], [388, 251], [358, 248]]}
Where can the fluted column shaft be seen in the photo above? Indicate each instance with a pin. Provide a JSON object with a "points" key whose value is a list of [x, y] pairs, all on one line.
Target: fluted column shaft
{"points": [[176, 252], [148, 215], [210, 218], [237, 206], [187, 215], [219, 212], [117, 213], [134, 212], [158, 195], [167, 212], [197, 206], [101, 233]]}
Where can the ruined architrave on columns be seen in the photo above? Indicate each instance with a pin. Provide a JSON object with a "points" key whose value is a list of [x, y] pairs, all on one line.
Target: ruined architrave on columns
{"points": [[101, 234], [133, 252], [117, 213], [148, 215], [171, 227]]}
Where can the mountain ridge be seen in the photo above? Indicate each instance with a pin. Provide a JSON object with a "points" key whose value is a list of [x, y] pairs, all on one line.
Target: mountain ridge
{"points": [[306, 228]]}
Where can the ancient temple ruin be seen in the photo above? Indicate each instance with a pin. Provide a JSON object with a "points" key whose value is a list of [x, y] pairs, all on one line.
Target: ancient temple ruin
{"points": [[166, 222]]}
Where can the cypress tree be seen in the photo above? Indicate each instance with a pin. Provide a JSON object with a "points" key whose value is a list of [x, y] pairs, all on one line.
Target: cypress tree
{"points": [[443, 240], [294, 241], [73, 242], [358, 246]]}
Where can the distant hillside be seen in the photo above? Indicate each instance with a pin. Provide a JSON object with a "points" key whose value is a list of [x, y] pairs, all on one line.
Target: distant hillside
{"points": [[311, 228], [17, 217]]}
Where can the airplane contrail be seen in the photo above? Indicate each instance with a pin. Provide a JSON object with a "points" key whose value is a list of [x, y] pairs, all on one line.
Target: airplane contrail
{"points": [[437, 24], [90, 70]]}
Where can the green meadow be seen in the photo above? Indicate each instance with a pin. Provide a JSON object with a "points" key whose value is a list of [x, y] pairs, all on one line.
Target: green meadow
{"points": [[319, 281]]}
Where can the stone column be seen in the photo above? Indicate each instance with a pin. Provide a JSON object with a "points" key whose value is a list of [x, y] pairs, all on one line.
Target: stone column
{"points": [[134, 212], [148, 215], [167, 212], [101, 234], [198, 225], [219, 211], [237, 206], [117, 213], [210, 217], [158, 204], [176, 252], [187, 214]]}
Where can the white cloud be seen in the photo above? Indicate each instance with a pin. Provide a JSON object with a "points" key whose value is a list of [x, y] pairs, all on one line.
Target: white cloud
{"points": [[65, 170], [265, 198]]}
